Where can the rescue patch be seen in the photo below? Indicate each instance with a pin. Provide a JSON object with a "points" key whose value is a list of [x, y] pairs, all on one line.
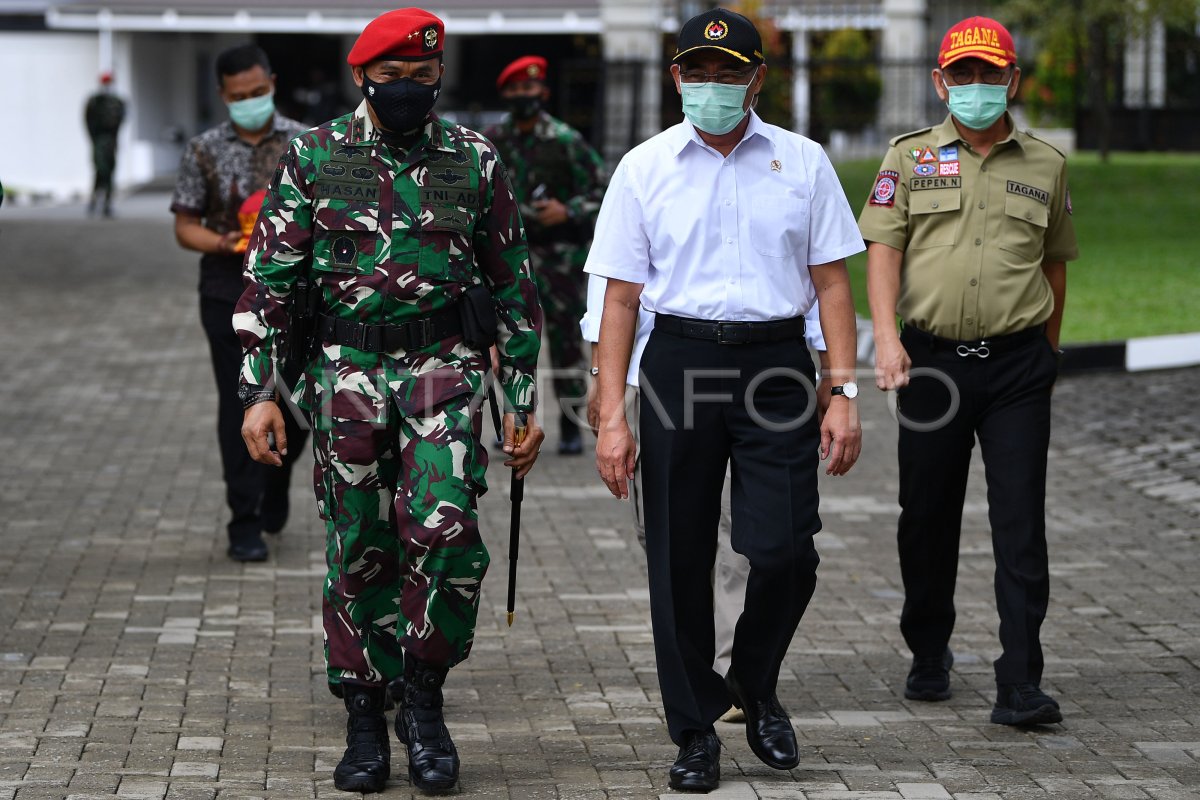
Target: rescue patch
{"points": [[917, 184], [948, 168], [884, 193], [925, 170], [1041, 195], [927, 157]]}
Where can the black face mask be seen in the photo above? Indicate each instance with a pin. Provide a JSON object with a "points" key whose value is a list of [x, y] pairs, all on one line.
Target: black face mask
{"points": [[403, 104], [525, 107]]}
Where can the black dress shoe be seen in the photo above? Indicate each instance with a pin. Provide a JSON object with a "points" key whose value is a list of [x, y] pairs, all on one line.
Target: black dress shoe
{"points": [[929, 677], [698, 767], [1024, 704], [768, 730], [248, 550]]}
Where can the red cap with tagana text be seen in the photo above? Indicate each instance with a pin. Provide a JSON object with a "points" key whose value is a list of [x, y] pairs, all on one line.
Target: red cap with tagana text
{"points": [[406, 34], [977, 37], [525, 68]]}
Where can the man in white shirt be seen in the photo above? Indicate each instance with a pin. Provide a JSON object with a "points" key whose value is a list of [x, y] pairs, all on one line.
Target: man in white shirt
{"points": [[728, 230], [731, 569]]}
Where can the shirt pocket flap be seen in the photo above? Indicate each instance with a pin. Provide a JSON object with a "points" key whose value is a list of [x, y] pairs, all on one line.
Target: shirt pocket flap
{"points": [[1027, 209], [934, 201]]}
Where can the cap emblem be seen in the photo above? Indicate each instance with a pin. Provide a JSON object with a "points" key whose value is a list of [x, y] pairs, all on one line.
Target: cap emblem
{"points": [[716, 30], [431, 38]]}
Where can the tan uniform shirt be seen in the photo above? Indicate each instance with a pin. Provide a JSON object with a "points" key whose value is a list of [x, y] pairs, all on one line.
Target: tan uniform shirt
{"points": [[974, 231]]}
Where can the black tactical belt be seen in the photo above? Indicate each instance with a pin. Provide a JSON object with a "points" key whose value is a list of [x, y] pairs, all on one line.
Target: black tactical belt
{"points": [[731, 332], [980, 348], [385, 338]]}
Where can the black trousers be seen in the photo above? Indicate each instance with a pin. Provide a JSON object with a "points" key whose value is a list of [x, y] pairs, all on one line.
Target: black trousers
{"points": [[705, 406], [1004, 400], [248, 484]]}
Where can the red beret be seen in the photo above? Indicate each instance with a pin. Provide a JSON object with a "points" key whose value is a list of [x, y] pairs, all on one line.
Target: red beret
{"points": [[525, 68], [977, 37], [406, 34]]}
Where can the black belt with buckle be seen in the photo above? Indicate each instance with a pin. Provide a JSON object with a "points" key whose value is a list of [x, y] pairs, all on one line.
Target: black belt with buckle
{"points": [[731, 332], [414, 335], [980, 348]]}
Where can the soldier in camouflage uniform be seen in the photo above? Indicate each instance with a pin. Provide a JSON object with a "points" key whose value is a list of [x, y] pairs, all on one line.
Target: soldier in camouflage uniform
{"points": [[401, 213], [104, 114], [559, 181]]}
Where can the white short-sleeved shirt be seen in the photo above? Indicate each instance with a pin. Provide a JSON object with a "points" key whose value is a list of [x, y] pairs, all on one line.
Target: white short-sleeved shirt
{"points": [[589, 326], [723, 238]]}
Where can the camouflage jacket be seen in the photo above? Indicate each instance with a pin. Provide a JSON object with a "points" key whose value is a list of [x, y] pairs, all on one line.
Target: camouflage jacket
{"points": [[390, 240], [554, 155]]}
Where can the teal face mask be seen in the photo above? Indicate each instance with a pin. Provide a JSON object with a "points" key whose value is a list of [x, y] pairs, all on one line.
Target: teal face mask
{"points": [[977, 105], [714, 107], [252, 113]]}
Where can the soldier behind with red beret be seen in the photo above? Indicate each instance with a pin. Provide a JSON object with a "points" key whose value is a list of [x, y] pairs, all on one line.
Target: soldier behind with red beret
{"points": [[408, 229], [559, 181]]}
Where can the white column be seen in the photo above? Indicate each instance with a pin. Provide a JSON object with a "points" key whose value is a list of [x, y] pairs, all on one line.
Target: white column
{"points": [[632, 32], [906, 66], [1146, 67], [801, 99]]}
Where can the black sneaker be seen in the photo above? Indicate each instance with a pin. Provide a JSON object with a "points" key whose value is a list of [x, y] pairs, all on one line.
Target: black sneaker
{"points": [[1024, 704], [929, 678]]}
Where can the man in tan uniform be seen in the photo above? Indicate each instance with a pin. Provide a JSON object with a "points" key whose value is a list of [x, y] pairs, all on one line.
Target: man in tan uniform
{"points": [[969, 231]]}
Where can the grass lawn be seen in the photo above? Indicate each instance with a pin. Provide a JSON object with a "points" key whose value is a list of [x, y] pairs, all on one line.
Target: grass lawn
{"points": [[1138, 223]]}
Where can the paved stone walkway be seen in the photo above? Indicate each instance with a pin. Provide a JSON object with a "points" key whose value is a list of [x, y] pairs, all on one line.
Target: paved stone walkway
{"points": [[136, 661]]}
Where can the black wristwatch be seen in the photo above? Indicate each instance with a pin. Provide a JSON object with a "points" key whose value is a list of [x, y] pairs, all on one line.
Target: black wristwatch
{"points": [[849, 390], [251, 395]]}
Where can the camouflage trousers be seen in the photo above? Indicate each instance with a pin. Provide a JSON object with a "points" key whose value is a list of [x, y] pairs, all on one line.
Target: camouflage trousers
{"points": [[562, 290], [404, 555]]}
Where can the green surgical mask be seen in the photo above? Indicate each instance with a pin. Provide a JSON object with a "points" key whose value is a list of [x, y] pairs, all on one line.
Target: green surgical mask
{"points": [[977, 105], [252, 113], [714, 108]]}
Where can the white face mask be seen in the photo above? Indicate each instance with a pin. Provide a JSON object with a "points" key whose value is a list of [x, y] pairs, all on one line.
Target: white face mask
{"points": [[713, 107], [977, 105]]}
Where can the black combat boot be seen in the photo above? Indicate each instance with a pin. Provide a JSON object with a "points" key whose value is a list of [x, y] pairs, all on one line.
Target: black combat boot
{"points": [[432, 758], [367, 763]]}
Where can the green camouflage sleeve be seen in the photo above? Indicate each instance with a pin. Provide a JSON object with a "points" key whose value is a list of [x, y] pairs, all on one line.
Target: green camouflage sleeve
{"points": [[588, 176], [503, 258], [280, 244]]}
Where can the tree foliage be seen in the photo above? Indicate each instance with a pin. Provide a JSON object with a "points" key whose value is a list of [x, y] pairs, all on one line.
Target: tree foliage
{"points": [[1091, 33]]}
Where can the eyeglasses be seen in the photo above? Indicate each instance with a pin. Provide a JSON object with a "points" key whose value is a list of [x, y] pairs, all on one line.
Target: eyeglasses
{"points": [[731, 76], [961, 76]]}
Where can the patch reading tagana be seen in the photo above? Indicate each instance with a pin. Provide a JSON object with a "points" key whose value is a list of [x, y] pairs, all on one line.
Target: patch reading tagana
{"points": [[918, 184], [884, 193], [1041, 195]]}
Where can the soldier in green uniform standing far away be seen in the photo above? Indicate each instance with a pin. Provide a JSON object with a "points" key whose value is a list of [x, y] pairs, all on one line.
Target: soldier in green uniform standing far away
{"points": [[559, 181], [103, 114], [409, 229]]}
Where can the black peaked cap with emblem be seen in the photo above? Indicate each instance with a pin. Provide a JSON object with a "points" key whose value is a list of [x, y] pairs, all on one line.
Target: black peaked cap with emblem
{"points": [[723, 30]]}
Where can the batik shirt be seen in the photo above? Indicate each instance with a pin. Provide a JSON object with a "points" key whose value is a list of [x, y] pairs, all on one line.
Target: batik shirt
{"points": [[218, 171]]}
